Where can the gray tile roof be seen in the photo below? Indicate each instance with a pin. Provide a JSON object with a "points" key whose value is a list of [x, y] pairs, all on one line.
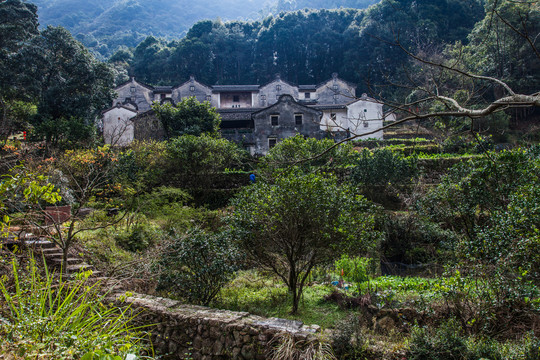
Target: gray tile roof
{"points": [[220, 88]]}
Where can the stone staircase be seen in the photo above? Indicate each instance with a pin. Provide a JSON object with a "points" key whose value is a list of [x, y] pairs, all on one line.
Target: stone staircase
{"points": [[53, 256]]}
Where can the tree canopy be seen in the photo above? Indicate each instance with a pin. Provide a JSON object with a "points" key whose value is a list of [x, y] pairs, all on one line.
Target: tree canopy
{"points": [[188, 117], [298, 221], [305, 46], [74, 86]]}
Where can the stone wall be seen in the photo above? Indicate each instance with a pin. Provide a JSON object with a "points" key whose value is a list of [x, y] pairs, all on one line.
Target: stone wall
{"points": [[196, 332]]}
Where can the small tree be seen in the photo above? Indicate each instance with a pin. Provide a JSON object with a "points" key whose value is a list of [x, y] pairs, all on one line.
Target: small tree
{"points": [[188, 117], [80, 174], [198, 266], [299, 221], [193, 161], [22, 190]]}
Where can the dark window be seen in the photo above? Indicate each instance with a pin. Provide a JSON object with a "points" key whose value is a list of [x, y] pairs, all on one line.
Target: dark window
{"points": [[272, 142], [128, 100], [298, 119], [278, 87], [162, 96], [336, 88], [333, 116], [336, 96], [274, 120], [208, 97], [236, 98], [307, 95], [132, 89], [263, 97], [192, 88], [366, 124]]}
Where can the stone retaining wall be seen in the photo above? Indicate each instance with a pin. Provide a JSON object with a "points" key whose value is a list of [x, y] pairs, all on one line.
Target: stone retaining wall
{"points": [[196, 332]]}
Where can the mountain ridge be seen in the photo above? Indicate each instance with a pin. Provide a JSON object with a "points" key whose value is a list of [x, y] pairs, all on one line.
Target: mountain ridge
{"points": [[104, 26]]}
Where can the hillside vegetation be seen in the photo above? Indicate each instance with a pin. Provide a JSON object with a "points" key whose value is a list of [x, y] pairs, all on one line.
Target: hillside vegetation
{"points": [[102, 25]]}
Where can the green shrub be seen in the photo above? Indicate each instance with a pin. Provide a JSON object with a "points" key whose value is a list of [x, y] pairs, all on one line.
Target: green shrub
{"points": [[443, 343], [198, 266], [354, 269], [413, 240], [296, 150], [192, 160], [156, 202], [43, 317], [382, 167], [348, 340], [142, 165], [448, 342], [138, 237]]}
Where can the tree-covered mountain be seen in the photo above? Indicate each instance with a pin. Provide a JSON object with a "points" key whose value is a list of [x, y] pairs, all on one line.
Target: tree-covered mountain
{"points": [[305, 46], [104, 25]]}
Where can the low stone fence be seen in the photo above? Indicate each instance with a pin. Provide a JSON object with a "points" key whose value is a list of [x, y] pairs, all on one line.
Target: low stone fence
{"points": [[195, 332]]}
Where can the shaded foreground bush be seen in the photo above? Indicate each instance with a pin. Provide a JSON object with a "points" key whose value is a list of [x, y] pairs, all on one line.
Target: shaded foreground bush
{"points": [[448, 342], [198, 266], [42, 317]]}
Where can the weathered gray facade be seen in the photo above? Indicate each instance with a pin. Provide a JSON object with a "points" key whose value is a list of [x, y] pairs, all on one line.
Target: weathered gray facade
{"points": [[284, 119], [147, 126], [247, 110]]}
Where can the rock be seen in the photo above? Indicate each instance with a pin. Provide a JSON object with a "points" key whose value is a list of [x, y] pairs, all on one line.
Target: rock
{"points": [[248, 352]]}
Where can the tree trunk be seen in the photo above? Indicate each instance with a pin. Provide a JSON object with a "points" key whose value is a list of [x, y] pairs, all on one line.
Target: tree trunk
{"points": [[293, 289]]}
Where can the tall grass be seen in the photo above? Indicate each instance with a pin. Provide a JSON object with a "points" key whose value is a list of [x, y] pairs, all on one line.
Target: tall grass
{"points": [[46, 317]]}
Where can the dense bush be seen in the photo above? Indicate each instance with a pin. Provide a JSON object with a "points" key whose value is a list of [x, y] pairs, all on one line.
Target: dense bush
{"points": [[160, 199], [448, 342], [43, 317], [383, 175], [197, 266], [348, 340], [306, 154], [354, 269], [413, 240], [188, 117], [192, 160], [382, 167], [142, 166], [138, 237], [473, 191]]}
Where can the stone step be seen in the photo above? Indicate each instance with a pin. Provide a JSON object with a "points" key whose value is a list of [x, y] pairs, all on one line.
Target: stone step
{"points": [[51, 256], [78, 267], [51, 249], [40, 244], [70, 261]]}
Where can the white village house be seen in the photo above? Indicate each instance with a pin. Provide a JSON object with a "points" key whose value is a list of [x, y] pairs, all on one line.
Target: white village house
{"points": [[339, 112]]}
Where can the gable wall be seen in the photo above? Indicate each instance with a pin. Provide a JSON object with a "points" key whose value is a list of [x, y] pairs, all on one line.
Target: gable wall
{"points": [[271, 92], [286, 109], [200, 92], [325, 92], [139, 94]]}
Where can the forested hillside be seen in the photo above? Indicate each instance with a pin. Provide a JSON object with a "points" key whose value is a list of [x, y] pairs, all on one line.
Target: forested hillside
{"points": [[306, 46], [104, 25]]}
